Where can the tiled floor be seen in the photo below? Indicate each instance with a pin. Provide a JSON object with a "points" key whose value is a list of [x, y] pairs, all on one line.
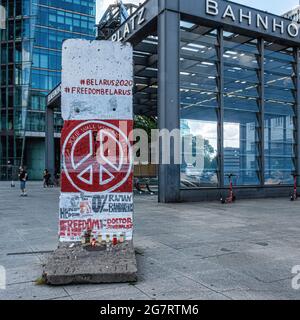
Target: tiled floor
{"points": [[184, 251]]}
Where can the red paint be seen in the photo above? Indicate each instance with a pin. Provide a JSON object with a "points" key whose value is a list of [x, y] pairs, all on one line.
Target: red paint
{"points": [[101, 92], [115, 240], [92, 165]]}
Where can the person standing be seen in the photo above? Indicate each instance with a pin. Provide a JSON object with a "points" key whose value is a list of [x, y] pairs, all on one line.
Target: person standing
{"points": [[46, 177], [23, 178]]}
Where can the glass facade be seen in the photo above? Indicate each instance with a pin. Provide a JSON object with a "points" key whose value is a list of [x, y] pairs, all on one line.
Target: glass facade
{"points": [[280, 121], [241, 109], [30, 68], [199, 111], [238, 95]]}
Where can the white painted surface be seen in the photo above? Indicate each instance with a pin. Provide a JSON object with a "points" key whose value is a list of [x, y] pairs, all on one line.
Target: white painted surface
{"points": [[107, 70]]}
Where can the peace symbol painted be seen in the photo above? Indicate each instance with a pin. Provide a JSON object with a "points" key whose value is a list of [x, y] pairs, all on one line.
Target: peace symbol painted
{"points": [[77, 168]]}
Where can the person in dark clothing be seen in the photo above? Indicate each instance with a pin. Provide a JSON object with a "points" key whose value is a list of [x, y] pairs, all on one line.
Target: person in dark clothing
{"points": [[23, 179], [47, 177], [57, 179]]}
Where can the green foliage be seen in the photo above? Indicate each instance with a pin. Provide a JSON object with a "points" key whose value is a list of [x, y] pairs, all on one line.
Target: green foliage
{"points": [[40, 281], [145, 123]]}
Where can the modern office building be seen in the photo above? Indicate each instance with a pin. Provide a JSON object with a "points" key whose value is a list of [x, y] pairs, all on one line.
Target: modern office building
{"points": [[229, 73], [293, 14], [30, 67]]}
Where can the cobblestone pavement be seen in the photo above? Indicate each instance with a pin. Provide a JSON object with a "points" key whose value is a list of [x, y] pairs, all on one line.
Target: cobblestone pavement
{"points": [[184, 251]]}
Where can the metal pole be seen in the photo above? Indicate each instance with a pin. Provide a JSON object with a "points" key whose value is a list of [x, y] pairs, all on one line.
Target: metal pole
{"points": [[221, 108], [168, 99], [49, 142], [297, 111], [261, 118]]}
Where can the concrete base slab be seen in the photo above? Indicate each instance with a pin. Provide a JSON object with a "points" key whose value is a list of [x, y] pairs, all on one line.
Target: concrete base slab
{"points": [[80, 264]]}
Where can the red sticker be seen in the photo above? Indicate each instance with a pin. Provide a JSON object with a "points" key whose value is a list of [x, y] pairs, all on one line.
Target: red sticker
{"points": [[96, 156]]}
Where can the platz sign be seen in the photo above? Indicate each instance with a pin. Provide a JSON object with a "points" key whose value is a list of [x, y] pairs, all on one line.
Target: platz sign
{"points": [[130, 26]]}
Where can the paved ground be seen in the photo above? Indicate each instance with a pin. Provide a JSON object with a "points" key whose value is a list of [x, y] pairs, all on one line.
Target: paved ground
{"points": [[184, 251]]}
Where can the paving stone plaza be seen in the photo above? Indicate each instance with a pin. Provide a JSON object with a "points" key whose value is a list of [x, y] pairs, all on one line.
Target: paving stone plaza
{"points": [[184, 251]]}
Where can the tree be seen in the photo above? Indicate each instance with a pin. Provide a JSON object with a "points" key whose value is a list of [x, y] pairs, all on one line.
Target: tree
{"points": [[145, 123]]}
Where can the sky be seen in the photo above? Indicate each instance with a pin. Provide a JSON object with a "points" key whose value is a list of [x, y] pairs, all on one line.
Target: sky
{"points": [[273, 6]]}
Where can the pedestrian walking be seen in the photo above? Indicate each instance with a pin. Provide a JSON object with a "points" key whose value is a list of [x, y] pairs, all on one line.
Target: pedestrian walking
{"points": [[23, 176]]}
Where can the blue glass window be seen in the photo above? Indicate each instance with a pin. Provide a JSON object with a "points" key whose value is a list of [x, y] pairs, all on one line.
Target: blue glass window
{"points": [[280, 93], [198, 106], [241, 121]]}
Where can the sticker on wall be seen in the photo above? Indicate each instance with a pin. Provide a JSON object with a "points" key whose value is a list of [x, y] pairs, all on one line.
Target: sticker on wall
{"points": [[74, 230], [82, 205], [101, 214]]}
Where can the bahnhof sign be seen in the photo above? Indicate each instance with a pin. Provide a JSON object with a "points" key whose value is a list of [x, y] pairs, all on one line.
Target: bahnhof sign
{"points": [[228, 73]]}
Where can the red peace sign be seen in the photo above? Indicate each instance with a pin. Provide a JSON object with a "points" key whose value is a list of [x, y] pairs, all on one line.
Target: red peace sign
{"points": [[96, 156]]}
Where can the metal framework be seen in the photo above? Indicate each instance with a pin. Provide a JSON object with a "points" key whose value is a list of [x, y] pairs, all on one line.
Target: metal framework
{"points": [[113, 18]]}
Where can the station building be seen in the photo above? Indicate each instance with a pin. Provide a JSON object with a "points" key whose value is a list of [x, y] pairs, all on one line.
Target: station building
{"points": [[227, 72]]}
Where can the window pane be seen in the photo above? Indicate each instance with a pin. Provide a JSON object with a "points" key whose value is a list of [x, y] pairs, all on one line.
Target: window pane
{"points": [[199, 106], [241, 123], [280, 94]]}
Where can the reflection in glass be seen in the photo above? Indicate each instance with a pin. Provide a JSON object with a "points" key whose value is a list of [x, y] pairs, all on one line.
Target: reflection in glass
{"points": [[199, 106], [280, 93], [241, 121]]}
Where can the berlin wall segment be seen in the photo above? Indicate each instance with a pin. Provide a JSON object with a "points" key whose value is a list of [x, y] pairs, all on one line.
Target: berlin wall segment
{"points": [[96, 200]]}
